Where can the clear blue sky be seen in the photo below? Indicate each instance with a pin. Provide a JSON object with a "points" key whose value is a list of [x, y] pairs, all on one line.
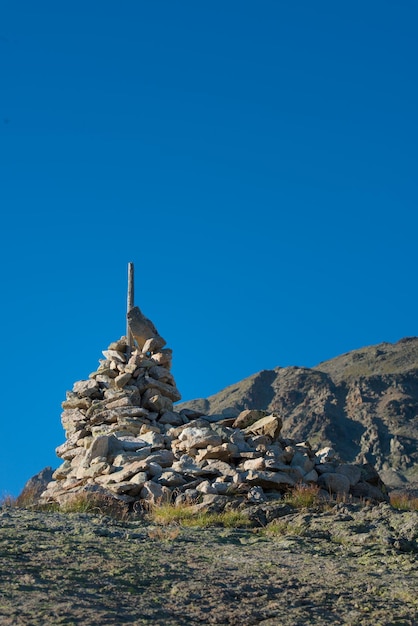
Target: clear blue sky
{"points": [[257, 161]]}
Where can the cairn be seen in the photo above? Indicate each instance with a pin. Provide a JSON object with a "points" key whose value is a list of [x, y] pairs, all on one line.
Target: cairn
{"points": [[125, 439]]}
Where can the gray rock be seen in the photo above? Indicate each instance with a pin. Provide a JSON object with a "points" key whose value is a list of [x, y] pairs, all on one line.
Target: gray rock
{"points": [[171, 479], [353, 472], [172, 418], [334, 483], [256, 495], [164, 458], [247, 418], [123, 379], [114, 355], [199, 437], [268, 480], [366, 491], [143, 329], [86, 388], [269, 426], [154, 492]]}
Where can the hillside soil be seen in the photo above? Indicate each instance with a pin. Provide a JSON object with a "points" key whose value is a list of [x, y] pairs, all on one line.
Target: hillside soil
{"points": [[347, 565]]}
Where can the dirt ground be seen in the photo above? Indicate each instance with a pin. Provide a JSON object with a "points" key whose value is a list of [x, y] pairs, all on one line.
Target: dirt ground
{"points": [[341, 567]]}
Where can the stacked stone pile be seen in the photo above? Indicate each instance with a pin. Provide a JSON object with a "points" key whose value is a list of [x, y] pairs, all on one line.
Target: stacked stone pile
{"points": [[124, 438]]}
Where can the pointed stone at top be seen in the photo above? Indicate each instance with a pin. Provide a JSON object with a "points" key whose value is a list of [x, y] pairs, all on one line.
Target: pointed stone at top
{"points": [[143, 329]]}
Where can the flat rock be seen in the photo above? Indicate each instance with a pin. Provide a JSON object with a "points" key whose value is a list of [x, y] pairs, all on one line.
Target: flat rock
{"points": [[269, 426], [86, 388]]}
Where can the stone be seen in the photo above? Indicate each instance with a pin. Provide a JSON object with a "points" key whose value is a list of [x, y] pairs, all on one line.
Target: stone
{"points": [[172, 479], [154, 401], [254, 464], [311, 477], [143, 329], [72, 417], [170, 391], [334, 483], [366, 491], [302, 460], [114, 355], [163, 357], [130, 443], [154, 492], [269, 426], [212, 503], [353, 472], [200, 437], [164, 458], [171, 417], [247, 418], [139, 479], [122, 379], [127, 472], [256, 495], [161, 373], [62, 471], [224, 452], [129, 456], [109, 416], [73, 401], [86, 388], [325, 468], [154, 470], [119, 345], [155, 440], [326, 455], [152, 345], [99, 448], [206, 487], [268, 480]]}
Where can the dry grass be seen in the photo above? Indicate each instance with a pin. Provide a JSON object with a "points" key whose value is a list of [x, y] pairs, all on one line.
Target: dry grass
{"points": [[163, 533], [404, 501], [281, 528], [97, 504], [304, 496], [185, 515]]}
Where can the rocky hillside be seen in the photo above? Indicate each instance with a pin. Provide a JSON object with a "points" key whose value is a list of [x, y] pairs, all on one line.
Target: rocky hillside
{"points": [[364, 404]]}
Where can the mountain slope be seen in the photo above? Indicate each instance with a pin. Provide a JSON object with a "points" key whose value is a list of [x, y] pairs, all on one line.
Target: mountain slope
{"points": [[364, 404]]}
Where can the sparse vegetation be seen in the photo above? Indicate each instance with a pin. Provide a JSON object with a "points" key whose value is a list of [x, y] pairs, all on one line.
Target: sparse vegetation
{"points": [[404, 501], [185, 515], [97, 504], [303, 496], [281, 527]]}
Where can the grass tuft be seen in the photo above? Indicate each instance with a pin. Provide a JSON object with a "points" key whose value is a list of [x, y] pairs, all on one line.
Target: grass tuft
{"points": [[281, 528], [185, 515], [97, 504], [404, 501], [303, 496]]}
